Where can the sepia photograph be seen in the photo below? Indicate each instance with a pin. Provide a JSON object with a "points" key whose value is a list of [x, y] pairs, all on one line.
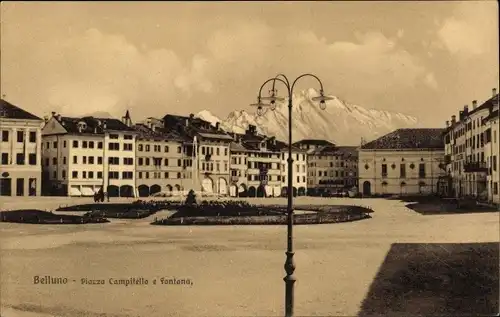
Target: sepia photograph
{"points": [[249, 158]]}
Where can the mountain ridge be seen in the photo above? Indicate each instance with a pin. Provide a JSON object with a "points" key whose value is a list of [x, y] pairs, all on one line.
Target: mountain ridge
{"points": [[341, 122]]}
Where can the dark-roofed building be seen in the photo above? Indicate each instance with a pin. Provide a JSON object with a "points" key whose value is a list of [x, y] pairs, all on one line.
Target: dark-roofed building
{"points": [[331, 169], [83, 155], [471, 151], [212, 150], [20, 148], [255, 165], [163, 165], [403, 162]]}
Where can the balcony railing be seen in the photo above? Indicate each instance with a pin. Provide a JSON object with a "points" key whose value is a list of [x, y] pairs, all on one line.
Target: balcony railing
{"points": [[384, 175], [471, 167]]}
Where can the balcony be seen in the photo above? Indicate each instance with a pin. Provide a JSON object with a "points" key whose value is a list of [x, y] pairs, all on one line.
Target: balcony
{"points": [[473, 167], [234, 179], [384, 175]]}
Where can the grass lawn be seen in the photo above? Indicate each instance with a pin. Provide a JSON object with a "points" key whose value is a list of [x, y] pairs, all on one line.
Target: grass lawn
{"points": [[450, 279], [443, 208]]}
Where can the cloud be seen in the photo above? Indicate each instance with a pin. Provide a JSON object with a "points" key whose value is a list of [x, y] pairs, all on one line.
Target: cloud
{"points": [[472, 30], [98, 71], [430, 81]]}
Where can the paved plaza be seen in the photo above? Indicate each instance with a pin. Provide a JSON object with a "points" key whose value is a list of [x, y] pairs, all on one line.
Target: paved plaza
{"points": [[235, 271]]}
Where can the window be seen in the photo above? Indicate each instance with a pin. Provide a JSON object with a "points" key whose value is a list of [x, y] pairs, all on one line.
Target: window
{"points": [[166, 149], [91, 175], [5, 158], [91, 144], [113, 160], [179, 175], [402, 171], [32, 159], [75, 159], [84, 174], [91, 160], [114, 146], [54, 175], [147, 148], [5, 136], [64, 144], [127, 147], [147, 161], [32, 136], [166, 162], [63, 174], [84, 144], [20, 136], [166, 175], [20, 187], [47, 161], [179, 150], [495, 188], [20, 158], [99, 160], [113, 175], [99, 175], [113, 136], [384, 170], [421, 170], [74, 174], [84, 160], [494, 162], [225, 151], [127, 175], [127, 137], [64, 160], [179, 163], [75, 144], [140, 148], [99, 145], [128, 161]]}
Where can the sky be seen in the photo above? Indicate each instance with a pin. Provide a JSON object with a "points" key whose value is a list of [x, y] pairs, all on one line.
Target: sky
{"points": [[427, 59]]}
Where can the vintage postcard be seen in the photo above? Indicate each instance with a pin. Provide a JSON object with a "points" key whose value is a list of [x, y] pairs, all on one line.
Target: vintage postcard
{"points": [[251, 158]]}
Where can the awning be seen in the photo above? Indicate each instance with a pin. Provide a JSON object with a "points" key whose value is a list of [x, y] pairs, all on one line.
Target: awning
{"points": [[269, 190], [75, 191], [87, 191]]}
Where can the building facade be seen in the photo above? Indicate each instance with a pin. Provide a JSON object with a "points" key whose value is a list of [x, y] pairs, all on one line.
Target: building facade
{"points": [[331, 169], [162, 164], [299, 170], [403, 162], [83, 155], [211, 151], [471, 151], [20, 149]]}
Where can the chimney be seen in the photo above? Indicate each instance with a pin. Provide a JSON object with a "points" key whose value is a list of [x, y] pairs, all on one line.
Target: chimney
{"points": [[46, 119], [494, 91], [104, 125], [53, 113], [474, 104], [453, 119], [187, 122], [58, 117], [466, 109], [217, 125], [447, 123]]}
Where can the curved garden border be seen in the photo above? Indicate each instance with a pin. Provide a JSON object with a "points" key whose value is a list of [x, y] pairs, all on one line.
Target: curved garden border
{"points": [[320, 214]]}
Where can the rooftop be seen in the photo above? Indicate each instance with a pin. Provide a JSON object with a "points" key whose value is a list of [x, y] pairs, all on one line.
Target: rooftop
{"points": [[408, 139], [92, 125], [9, 111]]}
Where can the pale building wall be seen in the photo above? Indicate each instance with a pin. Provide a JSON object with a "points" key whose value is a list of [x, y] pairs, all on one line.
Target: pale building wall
{"points": [[170, 174], [214, 173], [238, 178], [30, 171], [299, 169], [370, 170]]}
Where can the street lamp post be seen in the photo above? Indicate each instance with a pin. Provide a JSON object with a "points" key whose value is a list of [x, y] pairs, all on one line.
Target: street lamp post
{"points": [[273, 98]]}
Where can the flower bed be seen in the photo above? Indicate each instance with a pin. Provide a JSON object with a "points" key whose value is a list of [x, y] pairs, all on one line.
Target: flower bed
{"points": [[301, 219], [263, 215], [44, 217]]}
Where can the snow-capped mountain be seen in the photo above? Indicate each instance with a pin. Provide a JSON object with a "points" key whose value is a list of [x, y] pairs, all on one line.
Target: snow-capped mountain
{"points": [[341, 122]]}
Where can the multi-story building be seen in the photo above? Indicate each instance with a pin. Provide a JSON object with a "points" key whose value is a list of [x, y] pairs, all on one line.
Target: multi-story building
{"points": [[299, 169], [403, 162], [212, 151], [330, 168], [492, 148], [83, 155], [471, 151], [263, 163], [161, 164], [20, 149], [238, 168]]}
